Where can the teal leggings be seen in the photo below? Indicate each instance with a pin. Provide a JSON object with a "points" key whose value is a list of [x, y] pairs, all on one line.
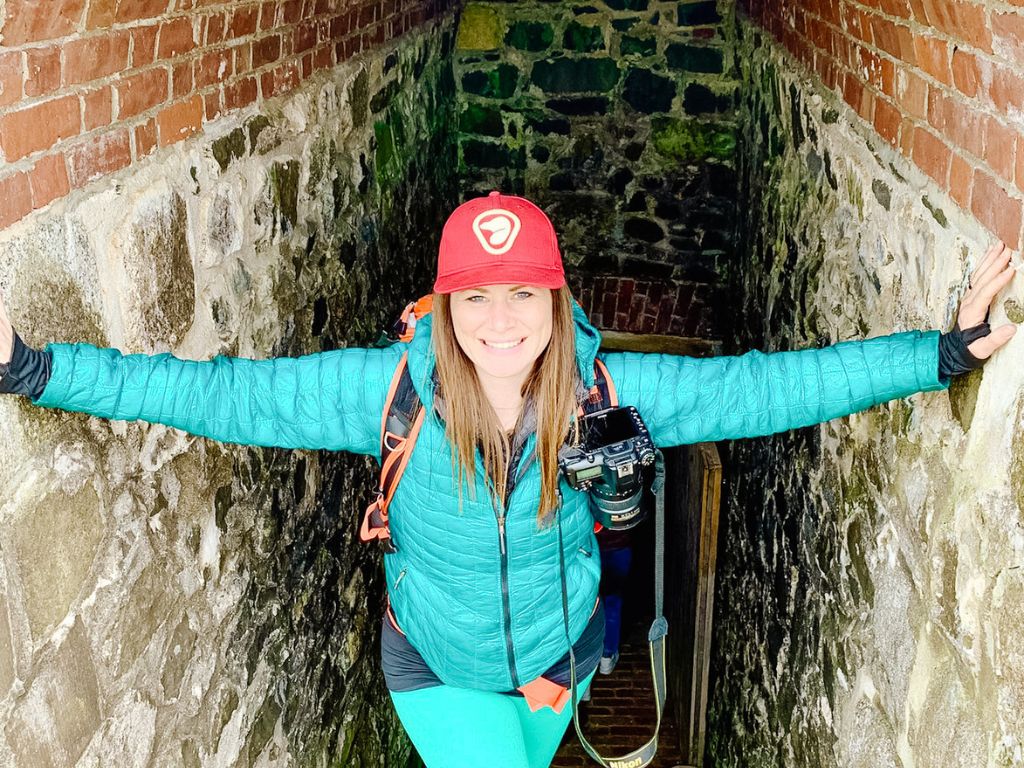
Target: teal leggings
{"points": [[463, 728]]}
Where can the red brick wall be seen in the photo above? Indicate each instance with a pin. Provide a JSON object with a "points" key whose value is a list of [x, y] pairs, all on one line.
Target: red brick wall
{"points": [[644, 306], [940, 80], [87, 87]]}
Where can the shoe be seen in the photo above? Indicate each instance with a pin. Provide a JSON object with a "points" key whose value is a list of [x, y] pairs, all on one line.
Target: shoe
{"points": [[607, 664], [586, 695]]}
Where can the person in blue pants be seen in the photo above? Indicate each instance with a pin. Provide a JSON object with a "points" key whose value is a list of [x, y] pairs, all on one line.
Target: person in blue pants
{"points": [[493, 573], [616, 558]]}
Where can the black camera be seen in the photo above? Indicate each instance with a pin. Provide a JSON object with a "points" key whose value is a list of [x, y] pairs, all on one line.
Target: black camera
{"points": [[613, 462]]}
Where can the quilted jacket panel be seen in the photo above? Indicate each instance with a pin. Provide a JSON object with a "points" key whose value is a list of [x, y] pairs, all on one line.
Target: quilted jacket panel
{"points": [[445, 581]]}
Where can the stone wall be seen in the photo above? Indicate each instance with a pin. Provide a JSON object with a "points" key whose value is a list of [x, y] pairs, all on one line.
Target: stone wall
{"points": [[870, 584], [170, 601], [617, 117]]}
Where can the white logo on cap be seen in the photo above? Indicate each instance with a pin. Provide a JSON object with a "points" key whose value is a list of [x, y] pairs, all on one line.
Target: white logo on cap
{"points": [[496, 230]]}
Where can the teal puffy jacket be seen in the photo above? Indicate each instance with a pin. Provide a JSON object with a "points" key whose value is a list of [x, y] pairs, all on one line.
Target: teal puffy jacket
{"points": [[481, 600]]}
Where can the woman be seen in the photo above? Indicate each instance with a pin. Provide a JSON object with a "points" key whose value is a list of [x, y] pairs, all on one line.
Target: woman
{"points": [[474, 648]]}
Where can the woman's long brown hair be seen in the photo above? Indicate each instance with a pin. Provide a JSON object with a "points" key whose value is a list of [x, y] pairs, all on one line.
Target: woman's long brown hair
{"points": [[472, 422]]}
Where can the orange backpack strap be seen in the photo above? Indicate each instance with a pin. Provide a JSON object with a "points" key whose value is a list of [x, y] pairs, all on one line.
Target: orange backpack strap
{"points": [[602, 395], [400, 426], [405, 328]]}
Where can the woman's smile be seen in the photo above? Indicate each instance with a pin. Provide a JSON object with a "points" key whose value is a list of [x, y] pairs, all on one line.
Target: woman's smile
{"points": [[503, 329]]}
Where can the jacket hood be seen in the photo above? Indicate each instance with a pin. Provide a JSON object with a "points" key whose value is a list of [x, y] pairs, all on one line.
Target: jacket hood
{"points": [[422, 359]]}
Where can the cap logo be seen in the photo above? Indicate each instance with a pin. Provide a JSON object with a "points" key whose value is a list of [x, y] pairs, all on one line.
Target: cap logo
{"points": [[497, 230]]}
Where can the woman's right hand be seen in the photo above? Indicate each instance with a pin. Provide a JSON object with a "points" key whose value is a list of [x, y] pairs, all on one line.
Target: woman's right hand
{"points": [[6, 334]]}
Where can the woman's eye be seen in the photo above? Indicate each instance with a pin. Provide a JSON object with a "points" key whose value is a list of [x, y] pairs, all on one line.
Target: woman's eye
{"points": [[523, 294], [476, 298]]}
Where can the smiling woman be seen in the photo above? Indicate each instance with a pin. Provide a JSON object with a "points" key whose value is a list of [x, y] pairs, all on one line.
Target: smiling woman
{"points": [[489, 600]]}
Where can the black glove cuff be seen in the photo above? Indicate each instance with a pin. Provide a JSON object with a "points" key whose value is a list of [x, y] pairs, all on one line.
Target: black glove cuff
{"points": [[954, 357], [29, 371]]}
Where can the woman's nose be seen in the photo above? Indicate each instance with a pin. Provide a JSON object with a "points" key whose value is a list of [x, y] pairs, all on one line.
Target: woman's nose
{"points": [[501, 316]]}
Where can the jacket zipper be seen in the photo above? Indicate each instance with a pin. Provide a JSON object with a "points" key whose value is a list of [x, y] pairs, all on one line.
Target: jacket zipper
{"points": [[506, 607]]}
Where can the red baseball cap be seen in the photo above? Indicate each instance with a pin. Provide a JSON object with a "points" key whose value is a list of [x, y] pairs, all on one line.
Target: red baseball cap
{"points": [[498, 239]]}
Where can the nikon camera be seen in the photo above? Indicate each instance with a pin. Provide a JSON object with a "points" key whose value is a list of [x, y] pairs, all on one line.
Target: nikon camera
{"points": [[614, 463]]}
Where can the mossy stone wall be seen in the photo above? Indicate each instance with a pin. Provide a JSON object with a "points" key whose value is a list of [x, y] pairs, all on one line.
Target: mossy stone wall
{"points": [[870, 584], [618, 118], [171, 601]]}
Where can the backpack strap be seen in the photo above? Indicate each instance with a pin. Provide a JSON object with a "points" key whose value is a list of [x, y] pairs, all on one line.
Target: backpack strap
{"points": [[405, 327], [602, 395], [401, 420]]}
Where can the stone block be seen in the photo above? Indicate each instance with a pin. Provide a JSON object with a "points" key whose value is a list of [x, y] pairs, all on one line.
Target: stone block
{"points": [[55, 543], [648, 92], [694, 58], [583, 38], [484, 120], [533, 36], [699, 100], [586, 105], [54, 722], [498, 83], [480, 29], [158, 293], [177, 658], [575, 75], [483, 154], [697, 14], [627, 5]]}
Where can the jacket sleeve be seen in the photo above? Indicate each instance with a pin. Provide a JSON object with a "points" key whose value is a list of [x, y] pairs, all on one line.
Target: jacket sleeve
{"points": [[330, 400], [690, 400]]}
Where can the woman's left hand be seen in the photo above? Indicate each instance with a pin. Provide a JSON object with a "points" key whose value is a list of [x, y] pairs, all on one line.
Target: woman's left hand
{"points": [[994, 273]]}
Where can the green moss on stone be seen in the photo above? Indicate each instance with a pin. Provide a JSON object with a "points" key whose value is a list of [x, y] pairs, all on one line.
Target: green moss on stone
{"points": [[637, 46], [689, 140], [480, 29], [963, 397], [937, 213], [531, 36], [284, 179], [261, 140], [229, 148], [1014, 311], [359, 99], [583, 38], [386, 156]]}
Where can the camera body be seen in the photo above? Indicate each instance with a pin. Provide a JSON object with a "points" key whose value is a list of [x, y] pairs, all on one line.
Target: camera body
{"points": [[613, 463]]}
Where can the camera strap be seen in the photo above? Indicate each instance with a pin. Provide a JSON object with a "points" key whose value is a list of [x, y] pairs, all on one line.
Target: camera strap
{"points": [[642, 756]]}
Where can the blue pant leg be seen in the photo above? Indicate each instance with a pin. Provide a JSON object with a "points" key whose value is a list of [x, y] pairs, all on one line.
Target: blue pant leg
{"points": [[614, 571]]}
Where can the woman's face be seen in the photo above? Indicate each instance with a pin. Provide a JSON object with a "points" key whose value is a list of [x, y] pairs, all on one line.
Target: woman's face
{"points": [[503, 329]]}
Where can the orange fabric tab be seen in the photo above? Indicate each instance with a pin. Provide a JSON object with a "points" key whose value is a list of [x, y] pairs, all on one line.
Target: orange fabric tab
{"points": [[544, 693]]}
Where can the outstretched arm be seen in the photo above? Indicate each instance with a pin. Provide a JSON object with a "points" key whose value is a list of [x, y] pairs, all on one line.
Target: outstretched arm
{"points": [[688, 400], [331, 400]]}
